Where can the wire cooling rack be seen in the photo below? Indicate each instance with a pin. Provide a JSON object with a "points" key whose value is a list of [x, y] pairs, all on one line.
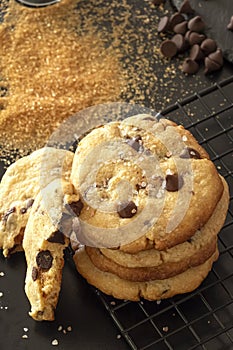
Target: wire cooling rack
{"points": [[202, 319]]}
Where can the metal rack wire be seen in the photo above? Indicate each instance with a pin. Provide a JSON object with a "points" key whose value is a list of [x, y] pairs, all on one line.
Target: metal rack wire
{"points": [[201, 319]]}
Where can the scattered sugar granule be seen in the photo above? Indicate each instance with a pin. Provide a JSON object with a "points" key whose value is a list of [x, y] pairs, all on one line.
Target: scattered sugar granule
{"points": [[69, 328], [25, 329], [59, 328], [1, 294], [158, 302], [165, 329], [55, 342], [118, 336], [113, 303], [64, 331], [25, 336], [6, 307], [2, 274]]}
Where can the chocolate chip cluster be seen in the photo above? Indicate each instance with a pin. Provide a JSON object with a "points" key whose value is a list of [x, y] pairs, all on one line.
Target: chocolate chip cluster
{"points": [[186, 32]]}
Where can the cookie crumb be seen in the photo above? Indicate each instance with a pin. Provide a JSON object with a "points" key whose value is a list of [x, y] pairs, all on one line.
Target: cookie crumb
{"points": [[1, 294], [55, 342], [118, 336], [165, 329], [6, 307], [158, 302], [64, 331], [25, 329], [69, 328], [59, 328], [2, 274], [113, 303], [25, 336]]}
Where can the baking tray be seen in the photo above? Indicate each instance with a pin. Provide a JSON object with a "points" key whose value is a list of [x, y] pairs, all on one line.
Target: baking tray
{"points": [[202, 319]]}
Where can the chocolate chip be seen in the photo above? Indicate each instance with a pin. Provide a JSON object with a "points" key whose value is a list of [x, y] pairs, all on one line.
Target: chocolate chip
{"points": [[168, 48], [57, 237], [8, 213], [76, 207], [196, 24], [181, 28], [30, 202], [35, 273], [190, 66], [195, 38], [44, 260], [190, 153], [175, 19], [208, 46], [3, 91], [23, 210], [127, 210], [134, 142], [174, 182], [230, 24], [179, 40], [186, 8], [196, 53], [214, 61], [163, 25]]}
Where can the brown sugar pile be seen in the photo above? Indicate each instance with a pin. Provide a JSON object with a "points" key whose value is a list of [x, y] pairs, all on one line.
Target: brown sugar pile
{"points": [[49, 70]]}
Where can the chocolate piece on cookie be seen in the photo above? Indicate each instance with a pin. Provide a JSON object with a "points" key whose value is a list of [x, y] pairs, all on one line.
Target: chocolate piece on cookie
{"points": [[19, 186]]}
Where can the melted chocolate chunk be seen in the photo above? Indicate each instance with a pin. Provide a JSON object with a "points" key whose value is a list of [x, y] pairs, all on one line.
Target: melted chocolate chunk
{"points": [[8, 213], [35, 273], [44, 260], [127, 210], [76, 207], [190, 153], [134, 142], [174, 182], [57, 237]]}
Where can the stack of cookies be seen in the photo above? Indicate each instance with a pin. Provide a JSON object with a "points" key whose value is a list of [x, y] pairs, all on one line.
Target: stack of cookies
{"points": [[153, 204]]}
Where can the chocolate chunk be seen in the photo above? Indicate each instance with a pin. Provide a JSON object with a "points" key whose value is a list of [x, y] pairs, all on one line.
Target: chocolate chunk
{"points": [[214, 61], [186, 8], [174, 182], [57, 237], [168, 48], [181, 28], [163, 25], [44, 260], [179, 40], [195, 38], [30, 202], [35, 273], [190, 66], [196, 53], [127, 210], [8, 213], [208, 46], [134, 142], [230, 24], [190, 153], [76, 207], [175, 19], [196, 24]]}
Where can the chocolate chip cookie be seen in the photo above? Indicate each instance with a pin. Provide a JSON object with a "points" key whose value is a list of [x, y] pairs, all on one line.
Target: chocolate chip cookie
{"points": [[145, 183], [19, 187]]}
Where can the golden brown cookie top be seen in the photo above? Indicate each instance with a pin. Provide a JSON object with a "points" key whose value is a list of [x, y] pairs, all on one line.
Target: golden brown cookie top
{"points": [[143, 183]]}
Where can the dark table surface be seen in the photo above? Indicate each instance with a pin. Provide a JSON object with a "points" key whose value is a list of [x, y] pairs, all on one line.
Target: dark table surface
{"points": [[79, 305]]}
